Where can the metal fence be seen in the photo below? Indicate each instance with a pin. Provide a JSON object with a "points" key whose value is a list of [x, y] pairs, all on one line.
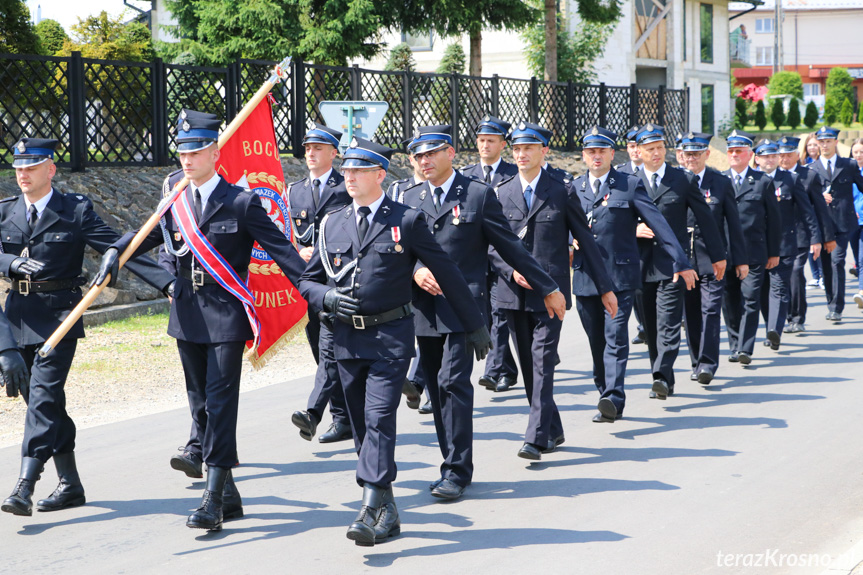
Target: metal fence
{"points": [[122, 113]]}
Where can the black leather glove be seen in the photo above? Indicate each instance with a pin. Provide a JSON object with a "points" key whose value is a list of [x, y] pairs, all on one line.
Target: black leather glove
{"points": [[110, 265], [169, 289], [478, 341], [340, 303], [16, 376], [26, 266], [326, 319]]}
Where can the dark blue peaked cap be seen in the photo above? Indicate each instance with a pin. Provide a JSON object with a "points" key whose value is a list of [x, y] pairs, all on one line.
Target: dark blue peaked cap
{"points": [[197, 130], [33, 151]]}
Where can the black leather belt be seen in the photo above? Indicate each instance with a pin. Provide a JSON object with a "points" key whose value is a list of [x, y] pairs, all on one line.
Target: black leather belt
{"points": [[198, 278], [364, 321], [25, 287]]}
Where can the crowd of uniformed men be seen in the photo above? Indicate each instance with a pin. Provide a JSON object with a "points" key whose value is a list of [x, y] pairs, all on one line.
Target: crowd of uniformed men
{"points": [[406, 289]]}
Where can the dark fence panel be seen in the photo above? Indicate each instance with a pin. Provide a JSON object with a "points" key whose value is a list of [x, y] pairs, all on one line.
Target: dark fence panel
{"points": [[124, 113]]}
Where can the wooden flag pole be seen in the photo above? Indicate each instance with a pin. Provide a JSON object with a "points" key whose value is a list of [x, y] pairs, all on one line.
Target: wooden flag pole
{"points": [[279, 74]]}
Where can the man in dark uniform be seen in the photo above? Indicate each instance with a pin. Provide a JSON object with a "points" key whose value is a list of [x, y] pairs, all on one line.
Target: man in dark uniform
{"points": [[614, 203], [794, 205], [210, 231], [675, 193], [309, 200], [465, 217], [759, 217], [635, 163], [44, 233], [839, 176], [362, 272], [789, 160], [501, 372], [703, 303], [544, 212]]}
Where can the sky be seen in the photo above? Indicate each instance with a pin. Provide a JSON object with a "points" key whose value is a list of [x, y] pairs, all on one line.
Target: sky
{"points": [[67, 12]]}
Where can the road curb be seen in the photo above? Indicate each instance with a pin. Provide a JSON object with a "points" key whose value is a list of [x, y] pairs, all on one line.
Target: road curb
{"points": [[102, 315]]}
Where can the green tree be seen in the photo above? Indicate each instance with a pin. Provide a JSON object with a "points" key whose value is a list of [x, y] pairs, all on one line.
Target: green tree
{"points": [[16, 32], [575, 53], [760, 116], [52, 36], [777, 113], [831, 110], [741, 113], [860, 113], [109, 38], [838, 90], [453, 60], [401, 58], [846, 114], [794, 113], [810, 118], [785, 83]]}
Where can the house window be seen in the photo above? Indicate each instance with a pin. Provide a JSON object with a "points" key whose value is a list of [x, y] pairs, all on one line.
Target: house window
{"points": [[419, 42], [764, 56], [707, 33], [707, 109], [811, 90], [764, 26]]}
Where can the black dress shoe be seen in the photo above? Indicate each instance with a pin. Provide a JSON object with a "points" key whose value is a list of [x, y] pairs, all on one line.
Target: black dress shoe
{"points": [[599, 418], [530, 451], [798, 328], [504, 383], [607, 408], [488, 382], [209, 515], [640, 337], [411, 393], [388, 523], [653, 395], [765, 343], [744, 358], [704, 377], [660, 388], [70, 492], [789, 328], [426, 408], [362, 530], [693, 376], [435, 483], [20, 502], [447, 489], [307, 423], [189, 463], [552, 444], [773, 340], [734, 357], [336, 432]]}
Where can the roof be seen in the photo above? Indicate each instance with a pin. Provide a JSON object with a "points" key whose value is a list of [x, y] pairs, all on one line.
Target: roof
{"points": [[793, 5]]}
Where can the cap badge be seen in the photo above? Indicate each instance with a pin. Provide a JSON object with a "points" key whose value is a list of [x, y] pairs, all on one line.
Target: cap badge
{"points": [[417, 133], [183, 115], [354, 143], [734, 134], [21, 147], [594, 132], [784, 140], [521, 126], [690, 135], [186, 126], [487, 118], [649, 127]]}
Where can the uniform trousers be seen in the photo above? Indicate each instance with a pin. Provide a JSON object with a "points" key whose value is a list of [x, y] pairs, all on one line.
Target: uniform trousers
{"points": [[776, 295], [328, 387], [447, 366], [373, 388], [48, 429], [609, 343], [663, 318], [740, 308], [500, 361], [833, 268], [212, 372], [797, 304], [702, 321], [536, 337]]}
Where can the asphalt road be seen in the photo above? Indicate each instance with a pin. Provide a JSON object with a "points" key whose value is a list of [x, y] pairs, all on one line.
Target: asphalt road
{"points": [[760, 468]]}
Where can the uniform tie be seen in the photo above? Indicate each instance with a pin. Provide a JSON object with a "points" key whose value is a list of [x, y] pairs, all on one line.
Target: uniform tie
{"points": [[830, 169], [653, 181], [363, 224], [528, 196], [438, 197], [32, 216], [316, 192], [198, 209], [487, 170], [596, 184], [737, 178]]}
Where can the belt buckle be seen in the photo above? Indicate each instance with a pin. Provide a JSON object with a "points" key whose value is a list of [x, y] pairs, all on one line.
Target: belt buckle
{"points": [[198, 278], [359, 321], [24, 287]]}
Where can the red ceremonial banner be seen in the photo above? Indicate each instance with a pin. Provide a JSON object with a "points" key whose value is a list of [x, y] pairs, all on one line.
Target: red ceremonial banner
{"points": [[251, 159]]}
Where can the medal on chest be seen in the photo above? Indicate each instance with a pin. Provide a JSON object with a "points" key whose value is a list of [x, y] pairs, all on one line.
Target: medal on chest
{"points": [[456, 212], [397, 237], [605, 200], [778, 194], [707, 196], [178, 236]]}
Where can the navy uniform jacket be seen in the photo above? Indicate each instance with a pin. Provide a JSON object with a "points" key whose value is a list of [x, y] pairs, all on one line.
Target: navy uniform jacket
{"points": [[724, 210], [304, 216], [613, 226], [625, 168], [794, 203], [545, 229], [384, 278], [504, 171], [759, 216], [7, 339], [398, 187], [814, 188], [677, 193], [66, 227], [481, 223], [233, 220], [558, 173], [845, 174]]}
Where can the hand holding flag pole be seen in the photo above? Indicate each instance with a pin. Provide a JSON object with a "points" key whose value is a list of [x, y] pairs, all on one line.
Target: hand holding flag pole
{"points": [[280, 73]]}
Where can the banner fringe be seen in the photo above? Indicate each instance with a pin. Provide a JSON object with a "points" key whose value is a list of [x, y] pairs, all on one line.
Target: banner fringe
{"points": [[259, 362]]}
